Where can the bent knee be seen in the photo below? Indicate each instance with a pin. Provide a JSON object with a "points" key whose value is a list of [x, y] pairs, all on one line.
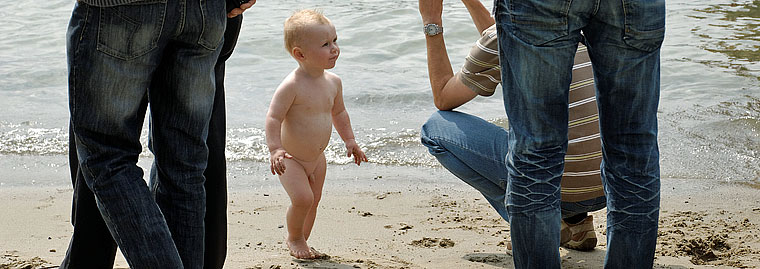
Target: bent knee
{"points": [[431, 130]]}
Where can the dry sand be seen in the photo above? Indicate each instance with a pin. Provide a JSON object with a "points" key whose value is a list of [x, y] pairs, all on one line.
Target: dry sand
{"points": [[394, 222]]}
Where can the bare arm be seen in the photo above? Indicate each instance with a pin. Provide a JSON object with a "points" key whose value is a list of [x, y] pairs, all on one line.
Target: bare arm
{"points": [[342, 124], [479, 14], [448, 91], [278, 108]]}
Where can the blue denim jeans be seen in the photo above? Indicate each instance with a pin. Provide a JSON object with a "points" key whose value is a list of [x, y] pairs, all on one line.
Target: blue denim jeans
{"points": [[537, 41], [473, 150], [115, 54]]}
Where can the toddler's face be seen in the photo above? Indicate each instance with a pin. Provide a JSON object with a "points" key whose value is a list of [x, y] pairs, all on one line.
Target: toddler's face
{"points": [[320, 46]]}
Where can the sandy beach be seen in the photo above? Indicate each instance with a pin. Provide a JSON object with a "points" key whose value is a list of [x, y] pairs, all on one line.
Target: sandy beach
{"points": [[386, 217], [397, 211]]}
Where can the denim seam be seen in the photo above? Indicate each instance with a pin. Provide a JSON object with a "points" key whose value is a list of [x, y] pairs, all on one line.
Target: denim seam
{"points": [[163, 23], [565, 24], [130, 55], [84, 27], [109, 51], [77, 52], [202, 7], [596, 8], [626, 29], [202, 39], [463, 147], [75, 75], [566, 18], [182, 17]]}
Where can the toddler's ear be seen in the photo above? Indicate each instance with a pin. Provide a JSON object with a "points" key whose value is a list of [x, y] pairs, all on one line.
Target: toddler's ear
{"points": [[298, 53]]}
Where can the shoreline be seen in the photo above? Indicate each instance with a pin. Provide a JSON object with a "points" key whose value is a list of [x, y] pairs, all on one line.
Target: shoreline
{"points": [[394, 217]]}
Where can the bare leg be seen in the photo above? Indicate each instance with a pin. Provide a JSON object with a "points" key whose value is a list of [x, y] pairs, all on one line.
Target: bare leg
{"points": [[296, 184], [316, 181]]}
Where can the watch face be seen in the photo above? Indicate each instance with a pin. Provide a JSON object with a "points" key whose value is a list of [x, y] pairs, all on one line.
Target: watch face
{"points": [[431, 29]]}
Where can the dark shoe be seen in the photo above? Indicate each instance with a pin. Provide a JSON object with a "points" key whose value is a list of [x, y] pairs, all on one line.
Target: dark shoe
{"points": [[580, 236]]}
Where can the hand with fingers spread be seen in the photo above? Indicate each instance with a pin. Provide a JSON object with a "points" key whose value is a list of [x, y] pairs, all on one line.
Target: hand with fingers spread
{"points": [[276, 157], [354, 150]]}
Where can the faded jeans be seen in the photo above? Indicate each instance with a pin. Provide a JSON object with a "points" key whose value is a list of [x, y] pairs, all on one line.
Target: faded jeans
{"points": [[473, 150], [538, 39], [115, 54]]}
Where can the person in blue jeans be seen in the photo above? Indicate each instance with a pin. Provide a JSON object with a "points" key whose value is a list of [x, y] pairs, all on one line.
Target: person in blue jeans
{"points": [[538, 40], [474, 150], [118, 50], [91, 244]]}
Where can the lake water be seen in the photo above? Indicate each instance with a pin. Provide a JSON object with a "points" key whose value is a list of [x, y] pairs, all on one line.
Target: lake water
{"points": [[709, 110]]}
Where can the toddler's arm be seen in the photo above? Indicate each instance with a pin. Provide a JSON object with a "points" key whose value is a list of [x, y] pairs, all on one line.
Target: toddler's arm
{"points": [[278, 108], [343, 126]]}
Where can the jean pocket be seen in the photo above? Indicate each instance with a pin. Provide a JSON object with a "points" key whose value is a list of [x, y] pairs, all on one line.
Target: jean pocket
{"points": [[644, 24], [537, 22], [130, 31], [214, 22]]}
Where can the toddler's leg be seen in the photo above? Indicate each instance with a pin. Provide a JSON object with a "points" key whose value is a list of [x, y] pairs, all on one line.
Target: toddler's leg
{"points": [[317, 181], [296, 184]]}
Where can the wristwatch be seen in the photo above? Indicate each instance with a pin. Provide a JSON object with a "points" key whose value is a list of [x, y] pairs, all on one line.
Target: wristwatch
{"points": [[432, 29]]}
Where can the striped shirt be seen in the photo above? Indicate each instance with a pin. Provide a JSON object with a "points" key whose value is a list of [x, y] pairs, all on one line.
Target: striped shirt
{"points": [[581, 180]]}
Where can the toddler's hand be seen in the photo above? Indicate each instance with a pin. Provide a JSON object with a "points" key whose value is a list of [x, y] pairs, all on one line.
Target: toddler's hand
{"points": [[276, 164], [353, 149]]}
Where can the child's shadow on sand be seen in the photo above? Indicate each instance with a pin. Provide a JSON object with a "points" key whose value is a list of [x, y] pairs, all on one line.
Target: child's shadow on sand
{"points": [[572, 259]]}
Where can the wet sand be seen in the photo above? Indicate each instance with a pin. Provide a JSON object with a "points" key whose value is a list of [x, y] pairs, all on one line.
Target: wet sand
{"points": [[385, 217]]}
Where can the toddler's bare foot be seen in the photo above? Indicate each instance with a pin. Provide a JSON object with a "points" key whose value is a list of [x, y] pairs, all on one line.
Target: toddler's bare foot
{"points": [[299, 249], [318, 255]]}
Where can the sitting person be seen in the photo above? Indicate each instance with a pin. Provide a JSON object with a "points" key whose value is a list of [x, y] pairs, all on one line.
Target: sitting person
{"points": [[475, 150]]}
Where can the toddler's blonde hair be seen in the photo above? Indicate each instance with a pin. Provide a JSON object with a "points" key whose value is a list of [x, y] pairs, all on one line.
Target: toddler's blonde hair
{"points": [[297, 23]]}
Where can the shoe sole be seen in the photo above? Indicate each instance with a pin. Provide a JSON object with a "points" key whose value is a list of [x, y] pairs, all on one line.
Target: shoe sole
{"points": [[587, 243]]}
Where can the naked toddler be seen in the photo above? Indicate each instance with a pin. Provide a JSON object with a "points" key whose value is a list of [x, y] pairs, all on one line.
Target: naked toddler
{"points": [[305, 106]]}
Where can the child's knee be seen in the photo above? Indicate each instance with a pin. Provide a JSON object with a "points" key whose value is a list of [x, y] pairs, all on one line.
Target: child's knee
{"points": [[317, 198], [303, 201]]}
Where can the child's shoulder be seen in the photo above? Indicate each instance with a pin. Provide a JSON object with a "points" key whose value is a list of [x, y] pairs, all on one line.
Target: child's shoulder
{"points": [[289, 81], [332, 77]]}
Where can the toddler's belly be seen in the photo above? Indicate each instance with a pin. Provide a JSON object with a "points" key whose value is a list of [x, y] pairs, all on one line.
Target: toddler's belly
{"points": [[306, 145]]}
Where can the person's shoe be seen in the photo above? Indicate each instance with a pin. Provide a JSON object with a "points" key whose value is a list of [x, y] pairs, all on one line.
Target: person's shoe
{"points": [[580, 236]]}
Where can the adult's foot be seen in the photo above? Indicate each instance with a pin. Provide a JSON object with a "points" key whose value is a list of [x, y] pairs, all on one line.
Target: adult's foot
{"points": [[582, 236], [299, 249]]}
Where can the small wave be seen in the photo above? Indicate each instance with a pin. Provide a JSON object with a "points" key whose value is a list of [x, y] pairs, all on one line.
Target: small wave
{"points": [[382, 146], [714, 142], [729, 29], [25, 139]]}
